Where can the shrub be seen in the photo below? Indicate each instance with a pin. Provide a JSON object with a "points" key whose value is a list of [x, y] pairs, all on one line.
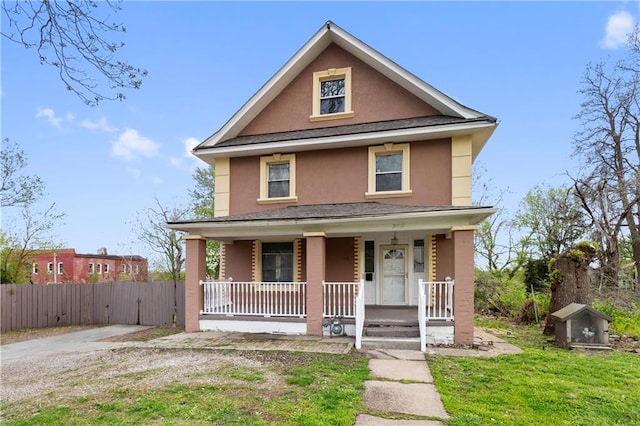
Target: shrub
{"points": [[625, 320], [498, 293]]}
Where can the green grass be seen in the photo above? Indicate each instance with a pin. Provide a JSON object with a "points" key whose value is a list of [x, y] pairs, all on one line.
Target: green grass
{"points": [[544, 385], [304, 389]]}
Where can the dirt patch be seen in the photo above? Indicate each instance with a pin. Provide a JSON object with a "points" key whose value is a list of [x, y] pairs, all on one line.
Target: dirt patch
{"points": [[145, 335]]}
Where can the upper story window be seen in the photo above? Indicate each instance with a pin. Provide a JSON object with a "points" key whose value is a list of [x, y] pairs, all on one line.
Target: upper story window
{"points": [[49, 267], [123, 268], [331, 94], [91, 270], [278, 179], [99, 268], [106, 268], [35, 268], [60, 268], [389, 171]]}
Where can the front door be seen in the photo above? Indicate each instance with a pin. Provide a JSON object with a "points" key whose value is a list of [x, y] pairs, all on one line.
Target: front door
{"points": [[394, 275]]}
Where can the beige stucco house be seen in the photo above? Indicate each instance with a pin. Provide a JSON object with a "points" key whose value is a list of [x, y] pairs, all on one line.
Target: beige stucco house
{"points": [[342, 186]]}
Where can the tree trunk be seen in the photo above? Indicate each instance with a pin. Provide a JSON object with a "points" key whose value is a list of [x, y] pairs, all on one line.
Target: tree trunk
{"points": [[571, 281]]}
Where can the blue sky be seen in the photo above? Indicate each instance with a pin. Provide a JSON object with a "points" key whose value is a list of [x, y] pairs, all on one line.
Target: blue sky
{"points": [[520, 62]]}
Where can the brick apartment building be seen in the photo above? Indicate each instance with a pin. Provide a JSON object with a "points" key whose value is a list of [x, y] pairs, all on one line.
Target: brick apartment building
{"points": [[67, 266]]}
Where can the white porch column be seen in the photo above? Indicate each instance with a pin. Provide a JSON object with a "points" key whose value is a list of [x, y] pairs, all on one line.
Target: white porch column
{"points": [[195, 270], [316, 262]]}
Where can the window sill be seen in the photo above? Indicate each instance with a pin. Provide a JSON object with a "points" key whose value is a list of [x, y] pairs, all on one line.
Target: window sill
{"points": [[335, 116], [388, 194], [277, 200]]}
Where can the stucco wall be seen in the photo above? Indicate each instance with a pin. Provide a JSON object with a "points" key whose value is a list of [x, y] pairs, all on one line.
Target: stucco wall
{"points": [[444, 257], [339, 259], [340, 176], [238, 261], [374, 98]]}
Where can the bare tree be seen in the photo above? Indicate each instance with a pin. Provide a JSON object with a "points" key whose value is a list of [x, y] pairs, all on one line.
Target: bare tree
{"points": [[16, 188], [168, 243], [75, 38], [20, 242], [609, 145]]}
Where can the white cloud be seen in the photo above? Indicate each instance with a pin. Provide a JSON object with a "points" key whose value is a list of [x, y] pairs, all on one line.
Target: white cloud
{"points": [[619, 26], [100, 124], [131, 144], [187, 159], [52, 118]]}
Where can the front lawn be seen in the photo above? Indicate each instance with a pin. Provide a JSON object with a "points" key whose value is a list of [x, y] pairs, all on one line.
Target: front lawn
{"points": [[545, 385]]}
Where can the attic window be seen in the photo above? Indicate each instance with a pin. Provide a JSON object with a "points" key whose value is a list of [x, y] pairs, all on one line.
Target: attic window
{"points": [[331, 94]]}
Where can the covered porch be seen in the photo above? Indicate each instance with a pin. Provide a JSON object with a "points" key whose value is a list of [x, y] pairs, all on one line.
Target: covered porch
{"points": [[349, 264]]}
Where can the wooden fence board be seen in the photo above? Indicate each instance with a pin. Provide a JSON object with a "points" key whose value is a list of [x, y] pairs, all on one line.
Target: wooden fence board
{"points": [[38, 306]]}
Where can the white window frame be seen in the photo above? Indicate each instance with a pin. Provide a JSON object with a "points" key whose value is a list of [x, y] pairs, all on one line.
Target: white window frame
{"points": [[106, 268], [98, 268], [389, 148], [91, 268], [60, 268], [264, 178], [49, 267], [123, 268], [331, 74], [34, 268]]}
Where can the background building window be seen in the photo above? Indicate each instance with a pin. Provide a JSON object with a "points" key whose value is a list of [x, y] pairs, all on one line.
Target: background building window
{"points": [[277, 262], [99, 268], [106, 268], [91, 269], [60, 268], [49, 267], [35, 268]]}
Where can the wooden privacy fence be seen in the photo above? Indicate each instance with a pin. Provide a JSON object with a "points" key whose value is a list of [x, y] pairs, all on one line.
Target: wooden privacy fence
{"points": [[37, 306]]}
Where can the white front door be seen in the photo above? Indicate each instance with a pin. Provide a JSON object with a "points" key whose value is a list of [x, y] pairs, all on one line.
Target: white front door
{"points": [[394, 274]]}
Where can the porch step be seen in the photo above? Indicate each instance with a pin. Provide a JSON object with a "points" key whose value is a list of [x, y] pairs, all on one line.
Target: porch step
{"points": [[392, 331], [407, 343]]}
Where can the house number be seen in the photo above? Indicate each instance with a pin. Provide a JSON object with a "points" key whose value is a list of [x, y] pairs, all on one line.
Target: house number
{"points": [[397, 226]]}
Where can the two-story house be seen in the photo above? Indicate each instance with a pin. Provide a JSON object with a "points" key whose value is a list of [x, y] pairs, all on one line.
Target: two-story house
{"points": [[343, 186]]}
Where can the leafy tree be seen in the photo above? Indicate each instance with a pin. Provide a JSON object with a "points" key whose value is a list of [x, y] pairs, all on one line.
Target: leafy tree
{"points": [[550, 220], [17, 189], [203, 200], [168, 243], [75, 38]]}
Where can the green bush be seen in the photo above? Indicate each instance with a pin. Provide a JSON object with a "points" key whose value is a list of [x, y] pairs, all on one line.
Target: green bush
{"points": [[625, 320], [499, 294]]}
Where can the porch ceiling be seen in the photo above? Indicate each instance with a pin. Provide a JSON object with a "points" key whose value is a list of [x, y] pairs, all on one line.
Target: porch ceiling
{"points": [[335, 220]]}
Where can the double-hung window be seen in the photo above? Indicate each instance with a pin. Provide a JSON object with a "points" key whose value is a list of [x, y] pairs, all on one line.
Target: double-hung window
{"points": [[331, 94], [277, 262], [278, 179], [91, 269], [60, 268], [389, 171]]}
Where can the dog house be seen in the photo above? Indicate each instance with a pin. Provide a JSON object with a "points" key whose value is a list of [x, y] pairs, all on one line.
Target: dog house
{"points": [[581, 326]]}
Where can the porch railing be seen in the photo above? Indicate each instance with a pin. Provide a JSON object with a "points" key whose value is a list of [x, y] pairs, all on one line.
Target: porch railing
{"points": [[266, 299], [359, 314], [339, 298], [435, 303]]}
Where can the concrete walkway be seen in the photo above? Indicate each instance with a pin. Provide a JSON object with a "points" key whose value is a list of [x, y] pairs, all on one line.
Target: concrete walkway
{"points": [[403, 386], [77, 341]]}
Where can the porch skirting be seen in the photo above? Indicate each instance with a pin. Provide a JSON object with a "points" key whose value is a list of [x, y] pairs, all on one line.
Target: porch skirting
{"points": [[295, 326]]}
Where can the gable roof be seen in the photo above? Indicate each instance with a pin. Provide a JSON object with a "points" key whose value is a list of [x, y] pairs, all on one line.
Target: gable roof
{"points": [[331, 33], [574, 309]]}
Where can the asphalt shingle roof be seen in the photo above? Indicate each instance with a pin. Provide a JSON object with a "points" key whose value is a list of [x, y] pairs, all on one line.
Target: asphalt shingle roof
{"points": [[330, 211], [352, 129]]}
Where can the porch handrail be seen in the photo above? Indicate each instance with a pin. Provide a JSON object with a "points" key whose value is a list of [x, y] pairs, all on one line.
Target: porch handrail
{"points": [[267, 299], [359, 314], [422, 315]]}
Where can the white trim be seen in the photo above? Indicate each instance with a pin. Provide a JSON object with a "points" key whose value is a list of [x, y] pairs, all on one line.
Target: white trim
{"points": [[254, 326], [331, 33], [480, 132], [429, 222]]}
